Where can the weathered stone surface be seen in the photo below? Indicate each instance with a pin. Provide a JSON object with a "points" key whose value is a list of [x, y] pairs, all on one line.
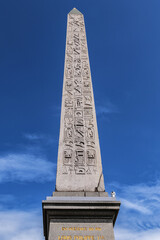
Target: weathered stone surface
{"points": [[79, 165]]}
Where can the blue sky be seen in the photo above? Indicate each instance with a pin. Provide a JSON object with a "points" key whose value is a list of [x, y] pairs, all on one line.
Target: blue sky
{"points": [[124, 48]]}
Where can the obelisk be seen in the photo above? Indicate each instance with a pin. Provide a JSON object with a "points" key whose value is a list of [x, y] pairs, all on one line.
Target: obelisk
{"points": [[79, 165], [79, 209]]}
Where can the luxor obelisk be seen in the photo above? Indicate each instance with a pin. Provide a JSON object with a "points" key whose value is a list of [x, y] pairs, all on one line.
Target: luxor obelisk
{"points": [[79, 160], [79, 209]]}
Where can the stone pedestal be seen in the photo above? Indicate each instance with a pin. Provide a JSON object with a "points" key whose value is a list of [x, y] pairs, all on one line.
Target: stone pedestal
{"points": [[79, 218]]}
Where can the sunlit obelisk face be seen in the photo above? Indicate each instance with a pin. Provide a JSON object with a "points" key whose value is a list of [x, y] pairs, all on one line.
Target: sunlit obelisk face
{"points": [[79, 165]]}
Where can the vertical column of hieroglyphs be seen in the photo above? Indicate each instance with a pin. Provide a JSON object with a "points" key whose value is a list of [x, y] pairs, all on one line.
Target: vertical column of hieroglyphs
{"points": [[68, 101], [88, 104], [79, 145]]}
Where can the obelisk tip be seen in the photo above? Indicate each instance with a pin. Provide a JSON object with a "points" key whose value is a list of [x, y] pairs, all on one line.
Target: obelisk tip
{"points": [[75, 11]]}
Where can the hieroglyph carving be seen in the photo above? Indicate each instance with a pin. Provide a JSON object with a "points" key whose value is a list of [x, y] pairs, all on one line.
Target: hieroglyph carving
{"points": [[79, 154]]}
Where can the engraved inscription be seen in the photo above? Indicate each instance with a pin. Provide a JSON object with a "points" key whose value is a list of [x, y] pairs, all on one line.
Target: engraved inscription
{"points": [[91, 157], [72, 232], [79, 156], [67, 157]]}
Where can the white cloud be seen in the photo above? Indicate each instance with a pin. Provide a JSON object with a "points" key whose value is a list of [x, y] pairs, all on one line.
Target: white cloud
{"points": [[25, 167], [135, 206], [20, 225], [127, 234], [139, 214]]}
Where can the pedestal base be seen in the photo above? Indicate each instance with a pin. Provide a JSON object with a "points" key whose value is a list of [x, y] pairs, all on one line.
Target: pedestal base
{"points": [[79, 218]]}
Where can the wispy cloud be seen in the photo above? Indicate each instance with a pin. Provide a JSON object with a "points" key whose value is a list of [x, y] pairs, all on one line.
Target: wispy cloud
{"points": [[128, 234], [106, 108], [5, 198], [140, 213], [45, 139], [135, 206], [33, 136], [20, 225], [26, 167]]}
